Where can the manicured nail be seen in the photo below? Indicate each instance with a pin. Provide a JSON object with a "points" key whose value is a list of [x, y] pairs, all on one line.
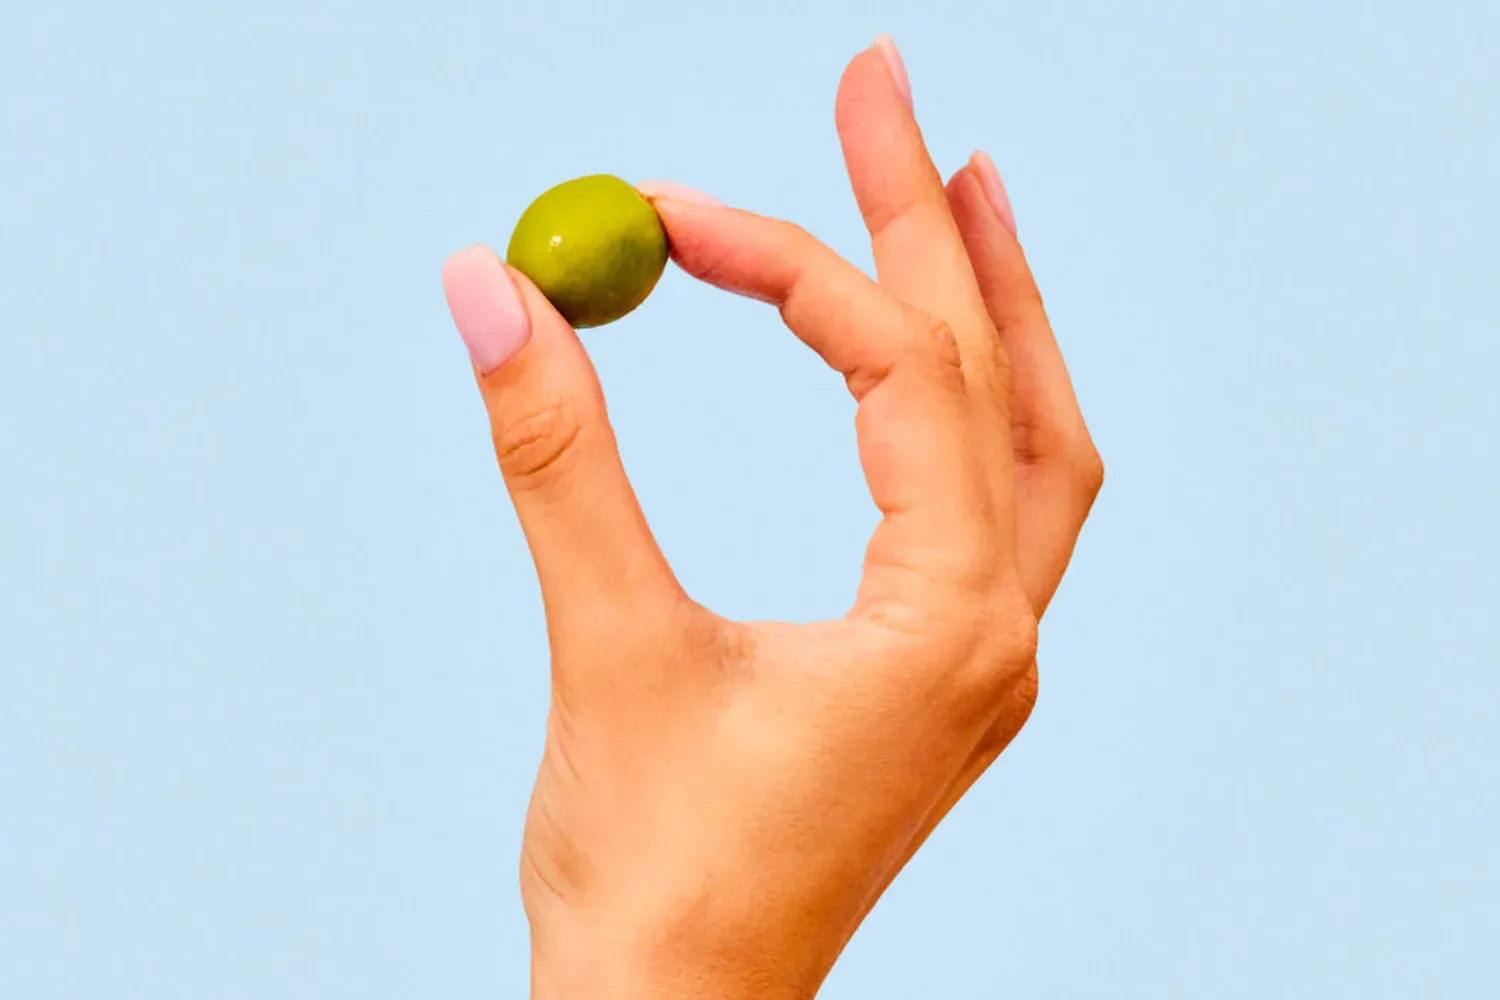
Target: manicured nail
{"points": [[676, 192], [887, 47], [486, 307], [994, 187]]}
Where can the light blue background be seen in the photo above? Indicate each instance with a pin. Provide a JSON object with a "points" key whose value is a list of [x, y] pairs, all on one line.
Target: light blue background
{"points": [[272, 659]]}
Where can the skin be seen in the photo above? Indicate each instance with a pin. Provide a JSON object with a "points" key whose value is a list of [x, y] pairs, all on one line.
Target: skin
{"points": [[720, 803]]}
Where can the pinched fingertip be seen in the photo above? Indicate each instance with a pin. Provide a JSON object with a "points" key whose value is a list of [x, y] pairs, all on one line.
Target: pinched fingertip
{"points": [[671, 191]]}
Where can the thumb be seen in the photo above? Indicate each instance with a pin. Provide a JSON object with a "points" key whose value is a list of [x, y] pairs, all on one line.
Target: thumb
{"points": [[593, 550]]}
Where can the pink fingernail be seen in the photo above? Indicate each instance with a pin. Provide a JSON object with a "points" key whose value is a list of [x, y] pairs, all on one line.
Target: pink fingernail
{"points": [[994, 187], [486, 307], [677, 192], [887, 47]]}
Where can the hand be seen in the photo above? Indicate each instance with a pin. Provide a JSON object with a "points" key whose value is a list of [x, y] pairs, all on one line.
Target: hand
{"points": [[719, 803]]}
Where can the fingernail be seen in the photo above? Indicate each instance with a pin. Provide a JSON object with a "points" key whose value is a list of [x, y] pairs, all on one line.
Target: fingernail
{"points": [[994, 187], [486, 307], [677, 192], [887, 47]]}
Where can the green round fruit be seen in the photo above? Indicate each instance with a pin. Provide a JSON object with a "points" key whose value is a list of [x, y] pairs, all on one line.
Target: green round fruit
{"points": [[594, 246]]}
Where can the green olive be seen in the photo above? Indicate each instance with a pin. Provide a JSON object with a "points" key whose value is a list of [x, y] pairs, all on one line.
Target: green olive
{"points": [[593, 245]]}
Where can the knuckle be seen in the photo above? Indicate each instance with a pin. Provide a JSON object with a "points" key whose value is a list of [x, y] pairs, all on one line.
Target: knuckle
{"points": [[1069, 451], [977, 656], [935, 337], [989, 644], [1090, 470], [796, 234], [1028, 688], [1016, 705], [531, 448], [887, 216], [1023, 637], [1004, 647]]}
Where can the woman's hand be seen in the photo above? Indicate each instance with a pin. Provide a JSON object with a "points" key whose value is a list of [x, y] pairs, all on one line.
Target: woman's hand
{"points": [[720, 803]]}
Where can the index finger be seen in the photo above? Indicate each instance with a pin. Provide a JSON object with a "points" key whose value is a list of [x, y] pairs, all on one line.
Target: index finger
{"points": [[853, 324], [919, 251], [915, 417]]}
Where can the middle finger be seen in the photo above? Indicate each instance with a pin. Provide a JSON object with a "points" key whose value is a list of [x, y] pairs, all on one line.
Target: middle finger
{"points": [[919, 250]]}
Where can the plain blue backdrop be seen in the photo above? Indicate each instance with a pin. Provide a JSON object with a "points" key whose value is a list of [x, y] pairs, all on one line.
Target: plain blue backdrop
{"points": [[272, 659]]}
